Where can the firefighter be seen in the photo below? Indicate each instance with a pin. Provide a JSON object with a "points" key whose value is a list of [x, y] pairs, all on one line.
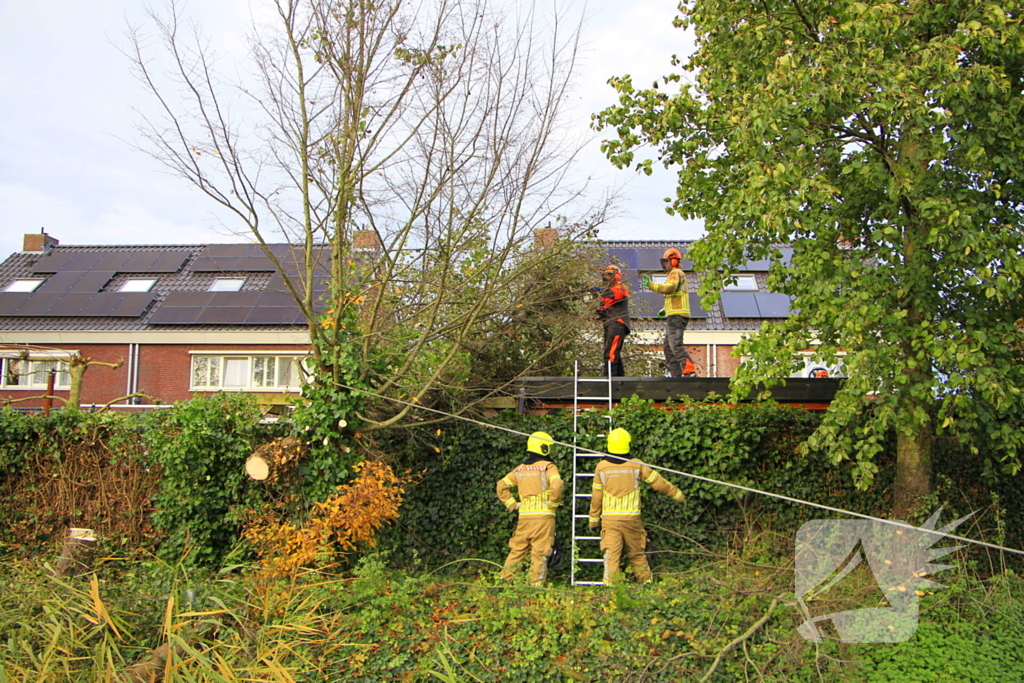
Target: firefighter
{"points": [[613, 311], [540, 492], [677, 310], [615, 506]]}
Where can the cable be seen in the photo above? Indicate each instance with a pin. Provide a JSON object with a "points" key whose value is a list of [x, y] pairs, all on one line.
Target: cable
{"points": [[689, 475]]}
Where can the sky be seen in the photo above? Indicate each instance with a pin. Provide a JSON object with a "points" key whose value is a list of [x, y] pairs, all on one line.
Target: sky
{"points": [[68, 112]]}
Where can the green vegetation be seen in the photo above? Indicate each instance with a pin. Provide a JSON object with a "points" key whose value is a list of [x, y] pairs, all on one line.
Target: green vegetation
{"points": [[193, 586], [882, 141]]}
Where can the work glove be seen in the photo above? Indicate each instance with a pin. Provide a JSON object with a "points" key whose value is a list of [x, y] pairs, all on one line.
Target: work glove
{"points": [[661, 313], [646, 280]]}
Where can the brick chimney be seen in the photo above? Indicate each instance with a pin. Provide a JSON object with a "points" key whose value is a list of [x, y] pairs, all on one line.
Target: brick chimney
{"points": [[39, 243], [544, 237], [365, 240]]}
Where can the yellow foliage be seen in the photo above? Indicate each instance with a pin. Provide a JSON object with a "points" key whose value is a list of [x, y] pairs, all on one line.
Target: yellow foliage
{"points": [[345, 521]]}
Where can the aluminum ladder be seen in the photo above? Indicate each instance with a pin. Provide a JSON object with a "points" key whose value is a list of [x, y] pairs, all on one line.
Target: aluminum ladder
{"points": [[580, 477]]}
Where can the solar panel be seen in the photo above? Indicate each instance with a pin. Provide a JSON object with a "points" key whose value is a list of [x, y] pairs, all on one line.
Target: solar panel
{"points": [[168, 262], [696, 308], [787, 255], [756, 266], [223, 315], [625, 258], [186, 299], [140, 262], [232, 264], [645, 304], [132, 304], [228, 250], [275, 315], [649, 259], [69, 305], [10, 302], [279, 299], [234, 299], [52, 263], [60, 282], [773, 305], [740, 305], [38, 304], [170, 315]]}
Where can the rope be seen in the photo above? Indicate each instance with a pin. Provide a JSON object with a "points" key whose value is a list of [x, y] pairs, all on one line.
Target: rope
{"points": [[697, 477]]}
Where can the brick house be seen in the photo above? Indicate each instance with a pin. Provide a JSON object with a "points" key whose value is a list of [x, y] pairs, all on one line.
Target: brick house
{"points": [[182, 321]]}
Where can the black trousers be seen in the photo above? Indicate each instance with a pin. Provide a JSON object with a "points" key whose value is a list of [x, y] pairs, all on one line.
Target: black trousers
{"points": [[676, 354], [614, 334]]}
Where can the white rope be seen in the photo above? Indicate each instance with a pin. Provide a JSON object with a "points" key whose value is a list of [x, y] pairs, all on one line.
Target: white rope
{"points": [[697, 477]]}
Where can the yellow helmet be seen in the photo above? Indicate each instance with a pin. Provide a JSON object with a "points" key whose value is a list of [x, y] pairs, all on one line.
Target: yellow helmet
{"points": [[539, 443], [618, 441]]}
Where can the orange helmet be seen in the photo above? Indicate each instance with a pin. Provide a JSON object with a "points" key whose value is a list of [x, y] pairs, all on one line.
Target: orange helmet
{"points": [[613, 273], [672, 256]]}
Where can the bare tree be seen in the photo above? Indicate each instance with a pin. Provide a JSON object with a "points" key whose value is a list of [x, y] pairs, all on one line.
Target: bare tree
{"points": [[435, 127]]}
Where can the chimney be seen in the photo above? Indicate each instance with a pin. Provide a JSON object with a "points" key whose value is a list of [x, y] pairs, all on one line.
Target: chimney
{"points": [[544, 237], [365, 240], [39, 244]]}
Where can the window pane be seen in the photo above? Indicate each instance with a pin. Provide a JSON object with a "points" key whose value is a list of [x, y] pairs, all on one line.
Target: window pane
{"points": [[263, 371], [226, 284], [744, 283], [236, 372], [205, 371], [13, 369], [23, 286], [41, 372], [288, 372], [138, 285], [63, 374]]}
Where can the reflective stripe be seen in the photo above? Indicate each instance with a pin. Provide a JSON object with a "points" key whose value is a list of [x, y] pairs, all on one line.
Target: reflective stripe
{"points": [[678, 497], [595, 520], [598, 487], [508, 482], [556, 478], [510, 503], [535, 505], [653, 478], [621, 506]]}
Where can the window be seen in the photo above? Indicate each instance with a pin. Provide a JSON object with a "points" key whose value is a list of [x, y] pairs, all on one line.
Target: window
{"points": [[23, 286], [246, 372], [20, 373], [227, 284], [744, 283], [138, 285]]}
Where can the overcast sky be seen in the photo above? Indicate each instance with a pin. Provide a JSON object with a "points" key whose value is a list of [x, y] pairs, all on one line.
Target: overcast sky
{"points": [[66, 123]]}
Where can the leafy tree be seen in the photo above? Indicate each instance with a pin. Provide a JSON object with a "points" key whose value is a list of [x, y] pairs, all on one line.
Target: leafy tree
{"points": [[882, 141], [408, 152]]}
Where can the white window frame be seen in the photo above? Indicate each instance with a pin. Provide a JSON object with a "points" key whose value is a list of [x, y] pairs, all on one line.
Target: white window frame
{"points": [[138, 284], [212, 371], [744, 283], [35, 377], [24, 285], [221, 284]]}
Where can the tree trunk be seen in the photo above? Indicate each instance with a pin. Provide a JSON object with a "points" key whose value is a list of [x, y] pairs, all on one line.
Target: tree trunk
{"points": [[913, 469]]}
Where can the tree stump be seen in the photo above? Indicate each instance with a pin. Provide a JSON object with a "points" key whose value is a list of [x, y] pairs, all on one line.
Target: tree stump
{"points": [[273, 460], [77, 553]]}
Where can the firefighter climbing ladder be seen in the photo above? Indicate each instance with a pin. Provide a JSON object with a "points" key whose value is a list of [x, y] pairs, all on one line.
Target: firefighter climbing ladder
{"points": [[580, 477]]}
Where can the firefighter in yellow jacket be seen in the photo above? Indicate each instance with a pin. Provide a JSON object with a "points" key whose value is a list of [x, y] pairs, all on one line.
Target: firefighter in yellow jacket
{"points": [[615, 506], [677, 312], [540, 493]]}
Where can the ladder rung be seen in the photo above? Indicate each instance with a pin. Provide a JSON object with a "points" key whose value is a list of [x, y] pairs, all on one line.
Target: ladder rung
{"points": [[587, 538], [583, 495], [590, 583], [580, 559], [592, 379], [589, 455], [581, 516], [584, 474]]}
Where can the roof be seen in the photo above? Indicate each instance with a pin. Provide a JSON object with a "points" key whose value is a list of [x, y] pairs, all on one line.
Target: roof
{"points": [[81, 289]]}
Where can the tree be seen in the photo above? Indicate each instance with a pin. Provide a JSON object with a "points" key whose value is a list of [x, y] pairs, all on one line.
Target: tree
{"points": [[882, 141], [432, 127]]}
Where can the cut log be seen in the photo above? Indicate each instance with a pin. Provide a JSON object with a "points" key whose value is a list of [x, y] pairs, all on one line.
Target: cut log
{"points": [[273, 460], [77, 553]]}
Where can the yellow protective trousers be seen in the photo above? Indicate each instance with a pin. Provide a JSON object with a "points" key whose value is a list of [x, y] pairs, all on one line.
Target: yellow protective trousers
{"points": [[534, 534], [624, 534]]}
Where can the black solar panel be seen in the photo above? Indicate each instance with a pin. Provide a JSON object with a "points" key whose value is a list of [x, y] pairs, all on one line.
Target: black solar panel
{"points": [[165, 315], [10, 302], [69, 305], [276, 299], [60, 282], [773, 305], [92, 282], [740, 305], [39, 304], [132, 304], [52, 263], [168, 262], [649, 259], [221, 315], [186, 299], [696, 309], [229, 250], [756, 266], [625, 258], [234, 299], [275, 315], [645, 304], [233, 264]]}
